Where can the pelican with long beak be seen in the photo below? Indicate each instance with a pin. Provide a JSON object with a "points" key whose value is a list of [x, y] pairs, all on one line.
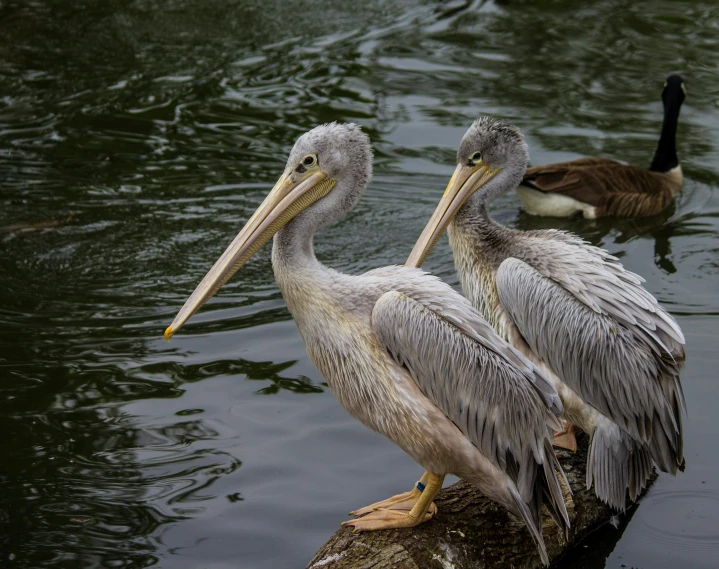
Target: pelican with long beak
{"points": [[403, 353], [608, 347]]}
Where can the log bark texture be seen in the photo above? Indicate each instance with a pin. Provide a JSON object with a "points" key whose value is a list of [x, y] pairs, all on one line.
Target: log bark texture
{"points": [[470, 532]]}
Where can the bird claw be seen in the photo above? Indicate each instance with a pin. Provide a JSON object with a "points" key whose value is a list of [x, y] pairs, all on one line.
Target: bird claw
{"points": [[388, 519], [566, 437], [404, 501]]}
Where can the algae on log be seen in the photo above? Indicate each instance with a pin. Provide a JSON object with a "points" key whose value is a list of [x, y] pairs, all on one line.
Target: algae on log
{"points": [[469, 532]]}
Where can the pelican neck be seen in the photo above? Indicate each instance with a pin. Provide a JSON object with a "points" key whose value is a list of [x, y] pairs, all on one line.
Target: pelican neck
{"points": [[293, 247]]}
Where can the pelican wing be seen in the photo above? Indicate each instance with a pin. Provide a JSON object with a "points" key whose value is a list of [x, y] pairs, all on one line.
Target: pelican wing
{"points": [[597, 328], [599, 281], [491, 392]]}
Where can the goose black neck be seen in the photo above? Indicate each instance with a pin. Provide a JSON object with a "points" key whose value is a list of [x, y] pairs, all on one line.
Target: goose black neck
{"points": [[665, 156]]}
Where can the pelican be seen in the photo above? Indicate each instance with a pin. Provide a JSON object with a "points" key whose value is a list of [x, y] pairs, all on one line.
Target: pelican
{"points": [[402, 352], [611, 351], [601, 187]]}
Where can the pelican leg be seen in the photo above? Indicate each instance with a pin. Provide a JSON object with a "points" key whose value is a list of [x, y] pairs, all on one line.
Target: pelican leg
{"points": [[566, 438], [403, 501], [392, 518]]}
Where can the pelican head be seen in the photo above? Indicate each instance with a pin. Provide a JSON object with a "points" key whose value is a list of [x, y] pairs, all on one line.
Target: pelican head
{"points": [[326, 173], [491, 159]]}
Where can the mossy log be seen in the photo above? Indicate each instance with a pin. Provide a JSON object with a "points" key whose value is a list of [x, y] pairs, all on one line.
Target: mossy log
{"points": [[469, 532]]}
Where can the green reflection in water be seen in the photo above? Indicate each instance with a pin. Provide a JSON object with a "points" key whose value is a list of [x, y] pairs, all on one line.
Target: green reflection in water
{"points": [[135, 138]]}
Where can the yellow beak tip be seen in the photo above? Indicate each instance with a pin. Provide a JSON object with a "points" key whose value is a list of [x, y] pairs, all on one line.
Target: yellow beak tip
{"points": [[168, 333]]}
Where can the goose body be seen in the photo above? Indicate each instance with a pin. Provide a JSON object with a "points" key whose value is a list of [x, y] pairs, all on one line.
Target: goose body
{"points": [[611, 351], [602, 187], [402, 352]]}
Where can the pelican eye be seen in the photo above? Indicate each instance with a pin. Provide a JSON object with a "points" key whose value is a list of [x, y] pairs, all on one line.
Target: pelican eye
{"points": [[476, 157], [307, 162]]}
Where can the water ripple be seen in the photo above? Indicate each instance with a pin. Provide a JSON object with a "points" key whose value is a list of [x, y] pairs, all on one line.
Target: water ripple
{"points": [[135, 140], [681, 520]]}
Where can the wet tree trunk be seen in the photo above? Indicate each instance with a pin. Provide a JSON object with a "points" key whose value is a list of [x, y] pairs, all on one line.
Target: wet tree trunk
{"points": [[469, 532]]}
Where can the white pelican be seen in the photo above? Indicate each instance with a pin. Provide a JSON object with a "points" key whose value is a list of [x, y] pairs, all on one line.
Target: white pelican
{"points": [[403, 353], [601, 187], [610, 349]]}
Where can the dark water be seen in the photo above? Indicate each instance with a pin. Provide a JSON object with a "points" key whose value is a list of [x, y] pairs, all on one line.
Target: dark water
{"points": [[135, 139]]}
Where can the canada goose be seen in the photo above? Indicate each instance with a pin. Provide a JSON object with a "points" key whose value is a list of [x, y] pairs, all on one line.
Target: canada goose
{"points": [[602, 187]]}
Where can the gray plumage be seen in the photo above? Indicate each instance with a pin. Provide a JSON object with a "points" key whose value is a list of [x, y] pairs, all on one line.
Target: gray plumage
{"points": [[403, 353], [611, 350], [411, 359], [353, 170], [487, 389]]}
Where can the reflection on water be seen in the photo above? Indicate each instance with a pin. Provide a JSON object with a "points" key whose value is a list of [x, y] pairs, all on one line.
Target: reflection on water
{"points": [[594, 550], [698, 511], [135, 138]]}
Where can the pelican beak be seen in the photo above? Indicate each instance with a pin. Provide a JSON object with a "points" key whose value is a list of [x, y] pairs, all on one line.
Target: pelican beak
{"points": [[464, 182], [284, 202]]}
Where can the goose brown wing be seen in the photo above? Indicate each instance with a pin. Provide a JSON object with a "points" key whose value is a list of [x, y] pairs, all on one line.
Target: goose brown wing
{"points": [[619, 189]]}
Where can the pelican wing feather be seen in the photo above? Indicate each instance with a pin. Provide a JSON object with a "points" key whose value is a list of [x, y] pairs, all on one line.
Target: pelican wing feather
{"points": [[599, 281], [603, 334], [494, 395]]}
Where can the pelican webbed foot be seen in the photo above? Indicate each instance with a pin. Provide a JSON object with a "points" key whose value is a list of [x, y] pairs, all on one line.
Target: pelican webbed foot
{"points": [[389, 519], [403, 501], [401, 511], [566, 437]]}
